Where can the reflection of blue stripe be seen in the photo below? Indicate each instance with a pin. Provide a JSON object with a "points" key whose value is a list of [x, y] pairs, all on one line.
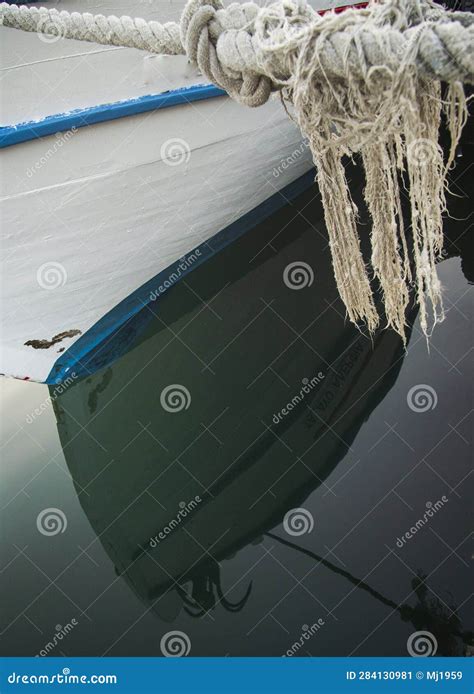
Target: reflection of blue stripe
{"points": [[22, 132], [114, 334]]}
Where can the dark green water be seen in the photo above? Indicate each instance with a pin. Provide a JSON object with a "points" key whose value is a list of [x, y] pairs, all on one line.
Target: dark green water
{"points": [[248, 473]]}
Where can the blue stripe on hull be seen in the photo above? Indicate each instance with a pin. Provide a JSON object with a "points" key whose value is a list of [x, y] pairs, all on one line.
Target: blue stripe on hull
{"points": [[113, 335], [61, 122]]}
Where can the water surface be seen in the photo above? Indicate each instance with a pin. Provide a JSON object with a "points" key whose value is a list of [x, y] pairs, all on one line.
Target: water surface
{"points": [[248, 473]]}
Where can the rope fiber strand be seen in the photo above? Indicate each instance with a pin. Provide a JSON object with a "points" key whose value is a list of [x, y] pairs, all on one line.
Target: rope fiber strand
{"points": [[364, 81]]}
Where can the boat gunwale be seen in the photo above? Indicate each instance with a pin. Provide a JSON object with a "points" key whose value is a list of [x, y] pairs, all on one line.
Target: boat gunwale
{"points": [[78, 118], [30, 130]]}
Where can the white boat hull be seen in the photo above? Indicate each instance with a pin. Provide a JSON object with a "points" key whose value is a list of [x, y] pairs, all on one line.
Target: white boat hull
{"points": [[92, 214], [109, 212]]}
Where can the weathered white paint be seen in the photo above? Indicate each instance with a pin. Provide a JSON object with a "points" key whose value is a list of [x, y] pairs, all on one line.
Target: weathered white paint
{"points": [[85, 76], [103, 204], [113, 213]]}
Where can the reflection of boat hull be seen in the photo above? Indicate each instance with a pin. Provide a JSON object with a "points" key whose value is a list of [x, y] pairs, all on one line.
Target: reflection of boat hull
{"points": [[249, 446], [269, 480], [110, 180], [101, 264]]}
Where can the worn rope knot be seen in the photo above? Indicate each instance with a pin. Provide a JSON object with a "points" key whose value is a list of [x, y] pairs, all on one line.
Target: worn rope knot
{"points": [[209, 31], [364, 82]]}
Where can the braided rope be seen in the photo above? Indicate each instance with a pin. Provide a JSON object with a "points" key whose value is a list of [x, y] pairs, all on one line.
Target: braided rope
{"points": [[110, 31], [364, 81], [250, 51]]}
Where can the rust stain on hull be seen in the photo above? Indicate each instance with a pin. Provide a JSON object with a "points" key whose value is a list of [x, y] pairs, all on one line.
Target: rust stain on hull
{"points": [[46, 344]]}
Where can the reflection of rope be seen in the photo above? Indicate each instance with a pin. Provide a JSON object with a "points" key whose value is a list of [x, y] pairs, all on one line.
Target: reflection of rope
{"points": [[419, 615], [203, 599], [336, 569]]}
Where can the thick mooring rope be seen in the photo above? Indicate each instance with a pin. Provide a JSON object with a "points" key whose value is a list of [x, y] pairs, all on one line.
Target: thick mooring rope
{"points": [[364, 81], [237, 46], [110, 31]]}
